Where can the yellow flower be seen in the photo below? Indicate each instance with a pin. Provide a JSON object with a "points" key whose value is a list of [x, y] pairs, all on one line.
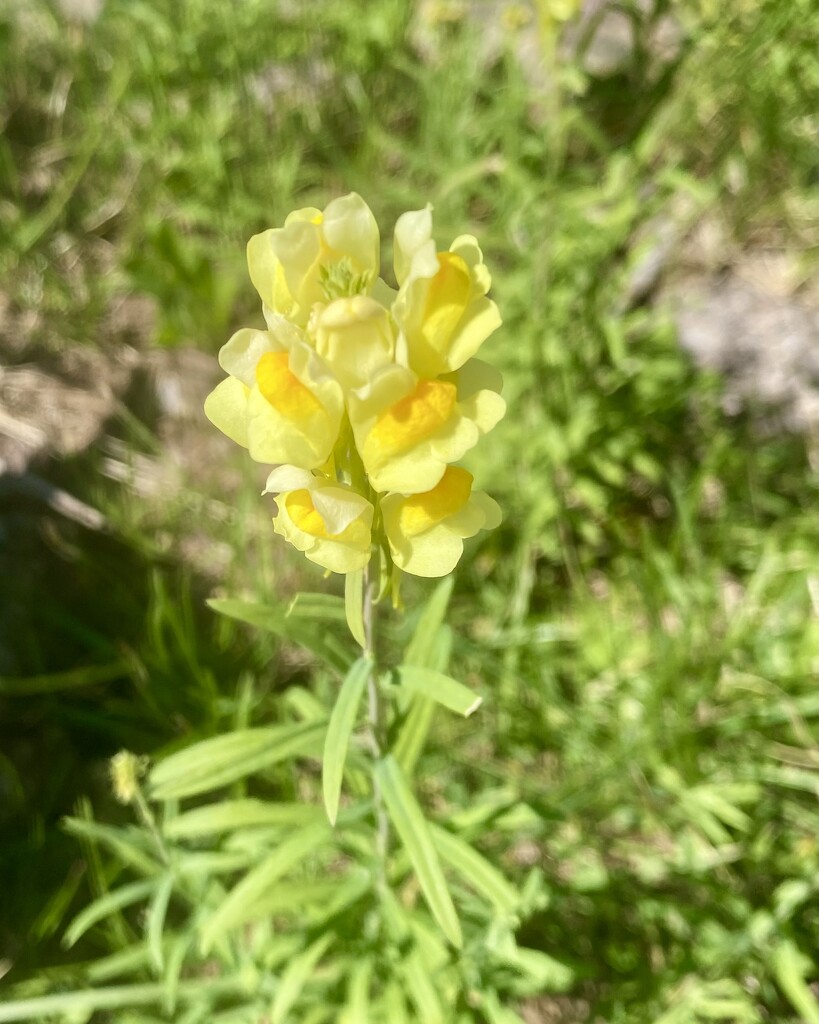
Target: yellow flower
{"points": [[354, 336], [330, 522], [315, 257], [280, 400], [441, 308], [426, 531], [408, 429]]}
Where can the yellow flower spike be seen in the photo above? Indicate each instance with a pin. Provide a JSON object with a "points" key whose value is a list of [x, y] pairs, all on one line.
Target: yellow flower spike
{"points": [[408, 429], [330, 522], [315, 257], [441, 307], [281, 402], [426, 531], [355, 338]]}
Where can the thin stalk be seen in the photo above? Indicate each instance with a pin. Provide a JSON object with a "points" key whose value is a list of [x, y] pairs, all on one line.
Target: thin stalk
{"points": [[375, 722]]}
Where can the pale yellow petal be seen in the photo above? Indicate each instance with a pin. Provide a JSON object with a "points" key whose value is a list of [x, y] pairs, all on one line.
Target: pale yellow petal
{"points": [[262, 266], [485, 409], [476, 375], [431, 554], [226, 408], [350, 229], [466, 246], [413, 231], [340, 506], [297, 246], [480, 319], [287, 478], [240, 355], [354, 337]]}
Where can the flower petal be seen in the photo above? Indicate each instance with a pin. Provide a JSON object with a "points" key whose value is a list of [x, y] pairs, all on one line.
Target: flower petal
{"points": [[350, 229], [226, 408]]}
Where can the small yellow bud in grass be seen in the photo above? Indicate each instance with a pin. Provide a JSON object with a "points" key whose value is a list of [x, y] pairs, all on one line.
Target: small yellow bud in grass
{"points": [[126, 769]]}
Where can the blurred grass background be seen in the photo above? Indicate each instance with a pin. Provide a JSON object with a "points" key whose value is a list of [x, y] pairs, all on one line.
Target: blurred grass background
{"points": [[641, 625]]}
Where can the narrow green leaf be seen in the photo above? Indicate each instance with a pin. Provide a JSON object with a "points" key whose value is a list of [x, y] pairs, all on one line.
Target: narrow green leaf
{"points": [[476, 870], [243, 901], [122, 842], [308, 632], [75, 678], [357, 1007], [421, 990], [354, 605], [155, 921], [317, 606], [234, 814], [415, 728], [394, 1005], [411, 826], [115, 998], [496, 1013], [790, 967], [441, 688], [105, 905], [543, 971], [420, 647], [215, 762], [295, 977], [342, 721]]}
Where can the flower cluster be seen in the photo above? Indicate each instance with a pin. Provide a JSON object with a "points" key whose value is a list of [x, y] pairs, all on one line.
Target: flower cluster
{"points": [[364, 396]]}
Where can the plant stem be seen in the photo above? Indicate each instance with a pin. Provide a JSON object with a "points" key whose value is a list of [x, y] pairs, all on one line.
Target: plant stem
{"points": [[375, 721]]}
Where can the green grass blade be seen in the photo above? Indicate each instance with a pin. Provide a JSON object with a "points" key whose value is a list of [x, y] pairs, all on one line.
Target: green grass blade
{"points": [[120, 997], [242, 902], [411, 826], [155, 921], [414, 730], [421, 990], [121, 842], [476, 870], [218, 761], [357, 1006], [441, 688], [339, 730], [230, 815], [295, 977], [105, 905], [306, 631], [420, 647], [790, 967], [55, 682]]}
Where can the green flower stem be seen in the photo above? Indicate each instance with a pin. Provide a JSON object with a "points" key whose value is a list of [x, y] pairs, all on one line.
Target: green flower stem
{"points": [[377, 732]]}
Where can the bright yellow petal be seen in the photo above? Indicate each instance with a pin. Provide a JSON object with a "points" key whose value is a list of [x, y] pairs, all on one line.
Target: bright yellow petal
{"points": [[420, 512], [413, 419], [283, 389]]}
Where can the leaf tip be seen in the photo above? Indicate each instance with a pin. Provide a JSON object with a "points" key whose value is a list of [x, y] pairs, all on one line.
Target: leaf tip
{"points": [[473, 707]]}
